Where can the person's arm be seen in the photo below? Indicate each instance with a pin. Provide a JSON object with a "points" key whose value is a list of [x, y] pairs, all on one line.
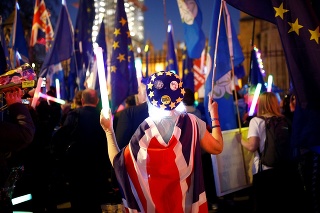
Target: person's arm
{"points": [[19, 131], [253, 141], [213, 143], [106, 124]]}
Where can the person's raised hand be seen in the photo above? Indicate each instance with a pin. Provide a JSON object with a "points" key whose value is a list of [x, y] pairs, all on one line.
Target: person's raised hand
{"points": [[106, 120], [13, 96], [213, 108]]}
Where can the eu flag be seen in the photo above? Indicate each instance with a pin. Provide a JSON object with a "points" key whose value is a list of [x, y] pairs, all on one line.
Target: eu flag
{"points": [[223, 81], [298, 26], [171, 62], [191, 17], [187, 73], [82, 39], [123, 72], [62, 46], [18, 41]]}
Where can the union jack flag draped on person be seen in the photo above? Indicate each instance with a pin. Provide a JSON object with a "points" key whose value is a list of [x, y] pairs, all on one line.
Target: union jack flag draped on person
{"points": [[42, 31], [123, 72], [152, 173]]}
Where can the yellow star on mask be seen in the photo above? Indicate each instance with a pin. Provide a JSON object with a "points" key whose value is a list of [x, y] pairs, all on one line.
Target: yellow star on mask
{"points": [[172, 105], [150, 85], [154, 102], [315, 35], [151, 94], [162, 106], [182, 91], [179, 100], [280, 11], [152, 78], [295, 26]]}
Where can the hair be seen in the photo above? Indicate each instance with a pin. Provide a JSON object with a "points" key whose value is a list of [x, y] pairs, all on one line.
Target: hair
{"points": [[89, 96], [77, 98], [131, 100], [268, 104], [188, 98]]}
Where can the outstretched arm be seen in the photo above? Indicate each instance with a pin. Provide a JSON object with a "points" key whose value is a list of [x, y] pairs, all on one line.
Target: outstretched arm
{"points": [[107, 126]]}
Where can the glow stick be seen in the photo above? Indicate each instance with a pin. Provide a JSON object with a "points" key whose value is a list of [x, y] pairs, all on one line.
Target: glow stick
{"points": [[270, 79], [36, 94], [102, 82], [255, 99], [58, 88], [50, 98], [21, 199]]}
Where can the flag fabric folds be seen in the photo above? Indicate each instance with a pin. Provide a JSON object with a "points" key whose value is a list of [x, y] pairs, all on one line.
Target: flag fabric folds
{"points": [[191, 17], [56, 73], [18, 42], [171, 61], [187, 73], [144, 157], [123, 72], [5, 60], [101, 41], [223, 81], [62, 46], [298, 26], [42, 31], [82, 39]]}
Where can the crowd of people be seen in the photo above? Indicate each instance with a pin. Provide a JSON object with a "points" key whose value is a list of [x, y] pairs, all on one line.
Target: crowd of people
{"points": [[159, 140]]}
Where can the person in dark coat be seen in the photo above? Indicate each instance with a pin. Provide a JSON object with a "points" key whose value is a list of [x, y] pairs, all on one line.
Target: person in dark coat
{"points": [[16, 133], [127, 121], [89, 165]]}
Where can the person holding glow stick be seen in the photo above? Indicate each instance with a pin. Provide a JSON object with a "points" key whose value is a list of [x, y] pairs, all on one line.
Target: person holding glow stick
{"points": [[270, 185], [162, 170]]}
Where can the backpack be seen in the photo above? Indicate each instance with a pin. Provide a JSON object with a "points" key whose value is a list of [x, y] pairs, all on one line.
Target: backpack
{"points": [[277, 150]]}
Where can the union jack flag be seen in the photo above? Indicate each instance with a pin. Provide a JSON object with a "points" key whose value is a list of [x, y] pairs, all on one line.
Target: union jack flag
{"points": [[42, 31], [155, 176]]}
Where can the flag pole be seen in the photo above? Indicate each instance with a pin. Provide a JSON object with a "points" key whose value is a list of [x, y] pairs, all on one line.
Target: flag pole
{"points": [[229, 34], [215, 50]]}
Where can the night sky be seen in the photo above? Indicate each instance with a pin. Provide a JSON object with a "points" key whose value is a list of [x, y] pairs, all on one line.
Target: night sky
{"points": [[155, 25]]}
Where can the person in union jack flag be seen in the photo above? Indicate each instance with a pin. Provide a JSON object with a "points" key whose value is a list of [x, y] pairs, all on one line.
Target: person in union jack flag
{"points": [[160, 170]]}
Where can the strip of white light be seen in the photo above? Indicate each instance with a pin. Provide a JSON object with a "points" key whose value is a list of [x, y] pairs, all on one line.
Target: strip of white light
{"points": [[21, 199]]}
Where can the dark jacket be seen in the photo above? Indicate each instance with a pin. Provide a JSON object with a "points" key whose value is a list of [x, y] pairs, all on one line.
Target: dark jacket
{"points": [[16, 133], [127, 121], [91, 166]]}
